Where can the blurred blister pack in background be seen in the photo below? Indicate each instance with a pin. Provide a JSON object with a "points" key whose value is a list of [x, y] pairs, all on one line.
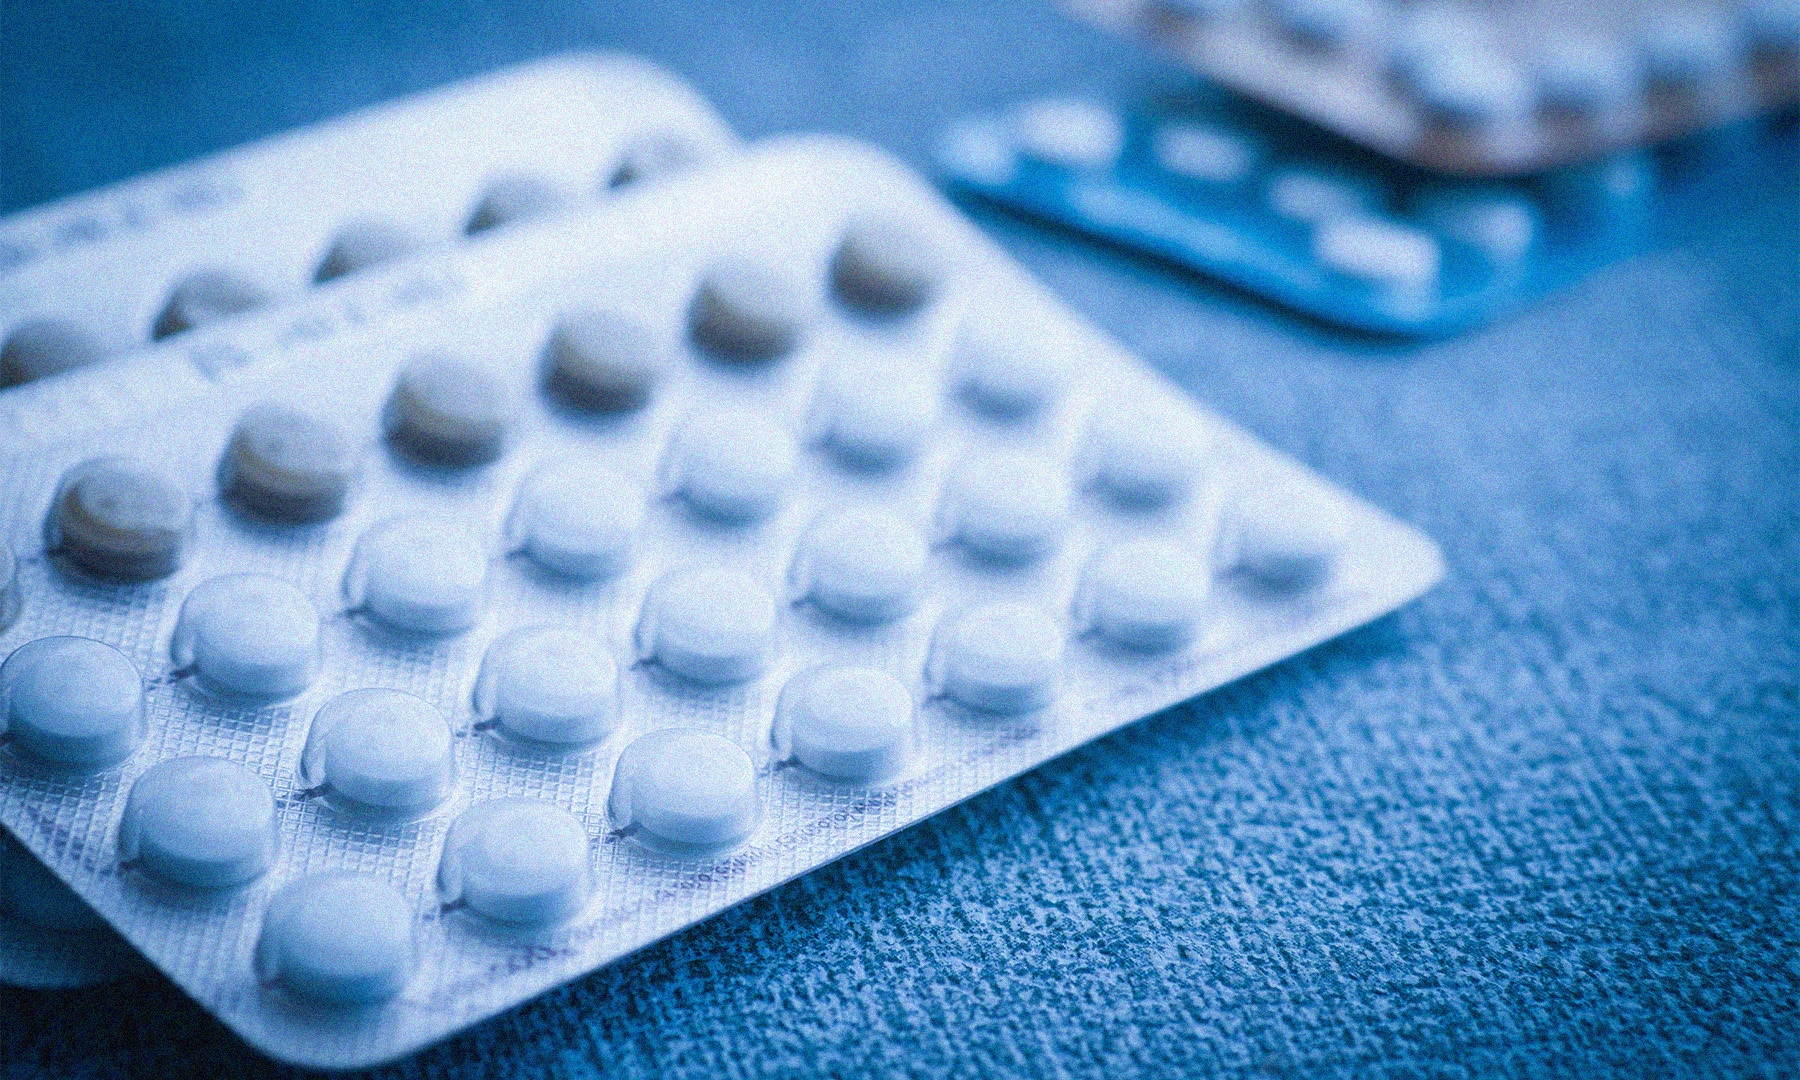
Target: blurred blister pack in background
{"points": [[1485, 87]]}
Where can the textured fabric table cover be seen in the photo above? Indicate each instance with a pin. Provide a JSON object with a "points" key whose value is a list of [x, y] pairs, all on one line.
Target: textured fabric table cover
{"points": [[1542, 823]]}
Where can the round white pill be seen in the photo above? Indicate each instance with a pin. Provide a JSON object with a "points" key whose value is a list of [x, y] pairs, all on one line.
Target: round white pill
{"points": [[287, 466], [576, 519], [72, 701], [1328, 24], [201, 822], [601, 362], [1145, 456], [1000, 658], [447, 411], [362, 244], [339, 938], [12, 590], [44, 347], [31, 893], [248, 635], [653, 157], [864, 565], [748, 311], [516, 861], [513, 197], [1282, 541], [872, 416], [380, 750], [711, 624], [207, 296], [1474, 87], [120, 520], [549, 685], [420, 575], [1500, 223], [1069, 132], [1006, 506], [850, 724], [1382, 253], [1683, 48], [885, 264], [1204, 152], [1002, 366], [1148, 595], [1310, 196], [685, 788], [1586, 75], [730, 464]]}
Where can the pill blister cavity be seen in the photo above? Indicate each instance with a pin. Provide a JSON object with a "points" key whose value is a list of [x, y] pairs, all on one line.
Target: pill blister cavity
{"points": [[998, 658], [548, 686], [731, 465], [863, 565], [1142, 457], [685, 789], [338, 938], [711, 625], [420, 575], [1503, 225], [849, 724], [1379, 252], [119, 520], [449, 412], [517, 861], [885, 264], [1005, 369], [1587, 75], [873, 416], [1006, 507], [749, 311], [1204, 153], [601, 362], [1069, 132], [287, 466], [380, 751], [511, 198], [207, 296], [576, 519], [200, 823], [247, 636], [44, 347], [360, 245], [1147, 595], [72, 702], [1283, 542], [655, 156]]}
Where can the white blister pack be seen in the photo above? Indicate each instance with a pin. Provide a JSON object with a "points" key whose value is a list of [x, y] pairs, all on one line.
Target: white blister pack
{"points": [[406, 674], [107, 291]]}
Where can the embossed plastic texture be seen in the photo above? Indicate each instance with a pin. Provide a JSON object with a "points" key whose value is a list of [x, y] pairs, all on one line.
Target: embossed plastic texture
{"points": [[547, 720], [117, 291], [1485, 87], [1231, 189]]}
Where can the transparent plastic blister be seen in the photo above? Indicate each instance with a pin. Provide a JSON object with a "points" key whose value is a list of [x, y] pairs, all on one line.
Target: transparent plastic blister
{"points": [[113, 293], [744, 687]]}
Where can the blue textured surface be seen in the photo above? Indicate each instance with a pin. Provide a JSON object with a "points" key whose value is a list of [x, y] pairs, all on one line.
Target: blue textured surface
{"points": [[1542, 823]]}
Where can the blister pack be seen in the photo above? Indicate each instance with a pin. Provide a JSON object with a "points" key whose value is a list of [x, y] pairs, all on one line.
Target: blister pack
{"points": [[1234, 190], [121, 297], [106, 290], [1486, 87], [405, 674]]}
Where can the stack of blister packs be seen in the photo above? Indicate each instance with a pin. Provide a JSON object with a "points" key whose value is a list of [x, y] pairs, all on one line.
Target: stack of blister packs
{"points": [[453, 548]]}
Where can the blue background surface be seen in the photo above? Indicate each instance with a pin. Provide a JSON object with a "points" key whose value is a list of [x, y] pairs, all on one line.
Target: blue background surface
{"points": [[1543, 822]]}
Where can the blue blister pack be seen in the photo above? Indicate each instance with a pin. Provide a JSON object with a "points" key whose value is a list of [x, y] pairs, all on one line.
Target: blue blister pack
{"points": [[1275, 206]]}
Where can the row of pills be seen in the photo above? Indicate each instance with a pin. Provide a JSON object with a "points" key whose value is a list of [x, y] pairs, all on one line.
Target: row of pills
{"points": [[40, 348], [1450, 62]]}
